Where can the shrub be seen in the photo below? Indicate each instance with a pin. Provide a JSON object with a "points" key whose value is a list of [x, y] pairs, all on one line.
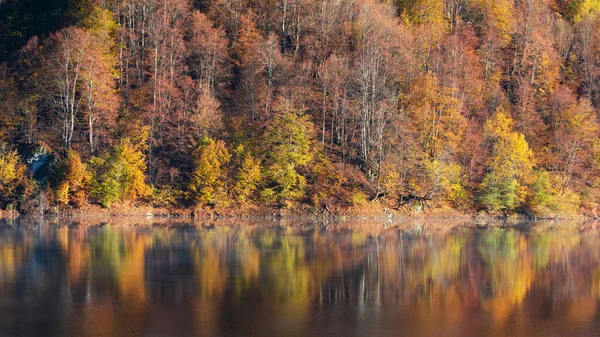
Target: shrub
{"points": [[166, 196], [359, 198], [547, 198]]}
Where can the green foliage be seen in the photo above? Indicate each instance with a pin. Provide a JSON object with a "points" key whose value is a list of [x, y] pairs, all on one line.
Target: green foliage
{"points": [[509, 167], [499, 194], [120, 175], [105, 185], [209, 177], [547, 199], [268, 195], [541, 191], [71, 178], [15, 183], [288, 149]]}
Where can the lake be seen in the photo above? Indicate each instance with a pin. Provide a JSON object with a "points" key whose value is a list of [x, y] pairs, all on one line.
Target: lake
{"points": [[278, 278]]}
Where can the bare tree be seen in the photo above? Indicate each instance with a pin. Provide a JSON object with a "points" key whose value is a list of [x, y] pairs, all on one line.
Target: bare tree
{"points": [[65, 70]]}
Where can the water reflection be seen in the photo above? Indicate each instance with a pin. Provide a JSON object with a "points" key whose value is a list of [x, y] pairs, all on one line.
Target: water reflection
{"points": [[311, 280]]}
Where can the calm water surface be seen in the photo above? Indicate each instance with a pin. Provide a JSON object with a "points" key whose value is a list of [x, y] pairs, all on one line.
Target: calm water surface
{"points": [[310, 280]]}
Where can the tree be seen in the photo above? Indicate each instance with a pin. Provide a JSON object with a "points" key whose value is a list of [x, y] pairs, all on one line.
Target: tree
{"points": [[574, 126], [436, 116], [247, 175], [270, 59], [16, 184], [252, 86], [498, 16], [430, 128], [101, 101], [376, 97], [509, 167], [208, 57], [120, 174], [548, 197], [64, 70], [575, 10], [587, 45], [336, 117], [287, 149], [325, 181], [208, 179], [71, 178], [421, 11]]}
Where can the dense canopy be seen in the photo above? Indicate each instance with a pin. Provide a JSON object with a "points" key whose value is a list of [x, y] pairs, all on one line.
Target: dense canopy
{"points": [[475, 105]]}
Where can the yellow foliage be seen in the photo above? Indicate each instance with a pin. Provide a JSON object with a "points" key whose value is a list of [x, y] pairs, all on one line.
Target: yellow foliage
{"points": [[548, 198], [575, 10], [209, 176], [289, 146], [15, 185], [359, 198], [447, 177], [509, 167], [101, 22], [547, 74], [588, 7], [502, 12], [73, 178], [133, 162], [421, 11], [248, 175], [436, 114], [121, 174], [326, 181], [511, 155], [499, 14]]}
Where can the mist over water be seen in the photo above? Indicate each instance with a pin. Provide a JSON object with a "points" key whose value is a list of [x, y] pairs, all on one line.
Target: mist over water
{"points": [[69, 279]]}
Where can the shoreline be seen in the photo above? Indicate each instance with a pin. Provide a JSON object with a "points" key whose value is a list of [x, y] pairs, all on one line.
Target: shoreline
{"points": [[204, 214], [376, 228]]}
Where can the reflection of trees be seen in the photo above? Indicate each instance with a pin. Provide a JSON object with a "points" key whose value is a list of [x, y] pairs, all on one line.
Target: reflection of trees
{"points": [[121, 272], [509, 268], [124, 251], [11, 256]]}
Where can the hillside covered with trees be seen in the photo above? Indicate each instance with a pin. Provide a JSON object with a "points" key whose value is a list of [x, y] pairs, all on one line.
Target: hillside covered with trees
{"points": [[471, 105]]}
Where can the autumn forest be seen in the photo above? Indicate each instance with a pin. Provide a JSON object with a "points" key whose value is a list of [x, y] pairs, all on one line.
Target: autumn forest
{"points": [[311, 105]]}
